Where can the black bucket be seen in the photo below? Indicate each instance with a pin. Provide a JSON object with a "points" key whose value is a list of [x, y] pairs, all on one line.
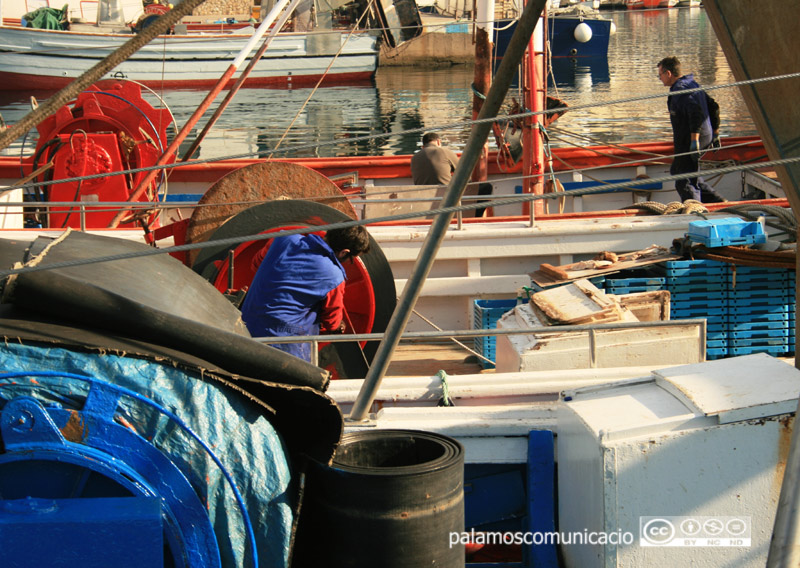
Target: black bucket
{"points": [[390, 498]]}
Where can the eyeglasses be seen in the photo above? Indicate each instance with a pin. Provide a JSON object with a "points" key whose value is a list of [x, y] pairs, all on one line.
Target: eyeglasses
{"points": [[662, 72]]}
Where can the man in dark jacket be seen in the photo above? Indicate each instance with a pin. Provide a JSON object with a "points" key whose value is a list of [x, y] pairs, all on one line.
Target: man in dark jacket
{"points": [[434, 164], [298, 288], [691, 130]]}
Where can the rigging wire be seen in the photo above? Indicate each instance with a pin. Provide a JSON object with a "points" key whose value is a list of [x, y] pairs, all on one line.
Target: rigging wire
{"points": [[511, 200]]}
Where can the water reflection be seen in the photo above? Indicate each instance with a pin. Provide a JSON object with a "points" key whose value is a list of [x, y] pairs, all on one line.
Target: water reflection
{"points": [[403, 99], [581, 74]]}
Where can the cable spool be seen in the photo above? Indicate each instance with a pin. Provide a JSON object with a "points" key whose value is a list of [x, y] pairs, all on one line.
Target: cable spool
{"points": [[370, 295], [256, 183], [120, 478]]}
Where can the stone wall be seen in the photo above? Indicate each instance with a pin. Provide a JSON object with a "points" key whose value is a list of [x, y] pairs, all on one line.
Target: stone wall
{"points": [[431, 49], [224, 8]]}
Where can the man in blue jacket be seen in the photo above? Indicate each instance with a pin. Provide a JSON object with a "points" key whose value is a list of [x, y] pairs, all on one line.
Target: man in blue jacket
{"points": [[298, 288], [691, 130]]}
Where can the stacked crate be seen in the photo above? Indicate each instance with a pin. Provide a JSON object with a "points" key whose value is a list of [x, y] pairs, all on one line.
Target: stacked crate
{"points": [[791, 283], [761, 310], [634, 281], [485, 315], [699, 289]]}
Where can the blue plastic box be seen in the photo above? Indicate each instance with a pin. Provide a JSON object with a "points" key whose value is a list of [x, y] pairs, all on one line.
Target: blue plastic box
{"points": [[486, 313], [725, 232]]}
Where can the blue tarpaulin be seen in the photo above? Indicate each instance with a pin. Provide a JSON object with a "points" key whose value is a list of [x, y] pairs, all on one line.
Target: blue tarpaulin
{"points": [[237, 431]]}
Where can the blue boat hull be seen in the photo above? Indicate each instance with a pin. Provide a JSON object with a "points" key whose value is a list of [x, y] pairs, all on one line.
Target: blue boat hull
{"points": [[562, 36]]}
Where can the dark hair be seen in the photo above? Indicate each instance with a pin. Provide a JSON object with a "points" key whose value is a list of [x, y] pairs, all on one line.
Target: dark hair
{"points": [[355, 238], [429, 137], [671, 64]]}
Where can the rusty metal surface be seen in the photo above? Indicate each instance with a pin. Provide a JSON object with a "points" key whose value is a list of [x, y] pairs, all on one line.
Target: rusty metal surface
{"points": [[766, 46], [254, 184]]}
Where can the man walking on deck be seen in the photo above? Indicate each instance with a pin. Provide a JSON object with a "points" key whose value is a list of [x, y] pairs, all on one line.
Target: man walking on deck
{"points": [[298, 288], [692, 131]]}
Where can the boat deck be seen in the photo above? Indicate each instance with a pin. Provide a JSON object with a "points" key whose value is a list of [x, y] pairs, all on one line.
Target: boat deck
{"points": [[425, 359]]}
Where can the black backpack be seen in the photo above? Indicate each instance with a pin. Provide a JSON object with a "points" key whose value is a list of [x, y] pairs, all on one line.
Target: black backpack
{"points": [[713, 112]]}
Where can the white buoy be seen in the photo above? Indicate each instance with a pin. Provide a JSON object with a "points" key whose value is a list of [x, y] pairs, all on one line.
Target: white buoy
{"points": [[583, 32], [613, 29]]}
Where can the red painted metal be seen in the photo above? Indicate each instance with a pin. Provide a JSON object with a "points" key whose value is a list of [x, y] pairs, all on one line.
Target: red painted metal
{"points": [[482, 83], [749, 149], [108, 128], [169, 153]]}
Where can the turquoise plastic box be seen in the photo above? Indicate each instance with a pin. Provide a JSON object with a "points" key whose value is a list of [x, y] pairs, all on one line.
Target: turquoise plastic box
{"points": [[725, 232]]}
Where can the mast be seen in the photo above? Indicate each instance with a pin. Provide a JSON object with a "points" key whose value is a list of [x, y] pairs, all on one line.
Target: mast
{"points": [[534, 87], [436, 233], [483, 75]]}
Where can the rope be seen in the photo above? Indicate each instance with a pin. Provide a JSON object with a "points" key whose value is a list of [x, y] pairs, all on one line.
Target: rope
{"points": [[445, 400], [689, 206], [742, 256]]}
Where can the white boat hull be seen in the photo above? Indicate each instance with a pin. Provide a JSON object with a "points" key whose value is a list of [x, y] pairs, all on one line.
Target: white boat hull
{"points": [[51, 59]]}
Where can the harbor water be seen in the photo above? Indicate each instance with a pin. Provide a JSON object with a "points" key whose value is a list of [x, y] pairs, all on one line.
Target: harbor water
{"points": [[387, 116]]}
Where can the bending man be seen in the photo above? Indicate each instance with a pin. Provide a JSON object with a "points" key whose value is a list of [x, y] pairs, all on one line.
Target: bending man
{"points": [[299, 287], [691, 130]]}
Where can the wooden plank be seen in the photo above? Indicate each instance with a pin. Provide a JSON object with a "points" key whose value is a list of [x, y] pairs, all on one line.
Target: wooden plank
{"points": [[579, 302], [557, 275]]}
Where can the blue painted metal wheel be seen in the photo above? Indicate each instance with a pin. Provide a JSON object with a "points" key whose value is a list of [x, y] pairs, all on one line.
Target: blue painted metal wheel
{"points": [[83, 447]]}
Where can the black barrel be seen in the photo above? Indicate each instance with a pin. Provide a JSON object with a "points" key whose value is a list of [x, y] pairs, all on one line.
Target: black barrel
{"points": [[390, 498]]}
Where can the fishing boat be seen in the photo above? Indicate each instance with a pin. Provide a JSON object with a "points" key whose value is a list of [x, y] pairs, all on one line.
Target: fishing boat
{"points": [[608, 436], [52, 58], [650, 4], [574, 31]]}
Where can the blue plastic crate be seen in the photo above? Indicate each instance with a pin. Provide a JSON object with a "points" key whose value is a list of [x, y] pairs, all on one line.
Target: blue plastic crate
{"points": [[684, 303], [710, 287], [758, 301], [758, 310], [773, 288], [631, 289], [756, 270], [485, 316], [770, 349], [640, 281], [716, 353], [758, 325], [757, 277], [712, 335], [690, 312], [758, 334], [757, 298], [693, 268], [487, 312], [724, 232]]}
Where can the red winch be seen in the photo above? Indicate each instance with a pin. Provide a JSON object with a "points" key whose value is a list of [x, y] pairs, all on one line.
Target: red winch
{"points": [[108, 129]]}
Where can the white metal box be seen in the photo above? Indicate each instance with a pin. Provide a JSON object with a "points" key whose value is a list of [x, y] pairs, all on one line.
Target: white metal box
{"points": [[564, 348], [700, 441]]}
